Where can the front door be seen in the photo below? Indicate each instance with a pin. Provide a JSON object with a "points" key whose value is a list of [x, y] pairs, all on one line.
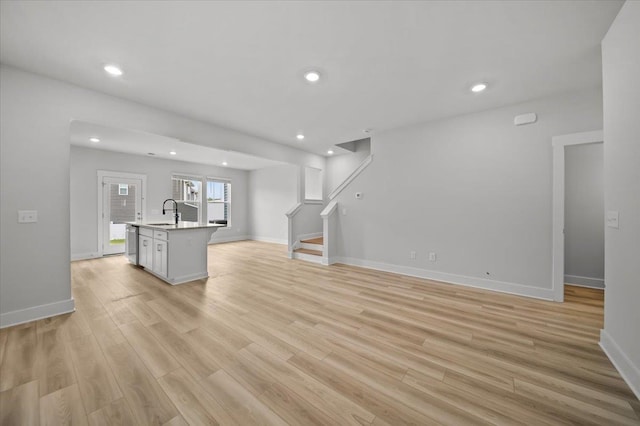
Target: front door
{"points": [[121, 203]]}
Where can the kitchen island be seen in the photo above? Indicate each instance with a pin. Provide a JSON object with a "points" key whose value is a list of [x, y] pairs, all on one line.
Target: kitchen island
{"points": [[175, 253]]}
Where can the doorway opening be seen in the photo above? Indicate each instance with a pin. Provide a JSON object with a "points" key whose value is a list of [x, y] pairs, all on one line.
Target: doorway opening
{"points": [[560, 145], [120, 200]]}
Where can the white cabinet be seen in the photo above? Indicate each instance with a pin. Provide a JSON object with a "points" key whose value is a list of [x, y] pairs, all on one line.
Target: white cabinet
{"points": [[145, 253], [176, 255], [160, 257]]}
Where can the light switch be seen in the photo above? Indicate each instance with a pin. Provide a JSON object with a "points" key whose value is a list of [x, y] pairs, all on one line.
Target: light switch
{"points": [[27, 216], [612, 219], [344, 211]]}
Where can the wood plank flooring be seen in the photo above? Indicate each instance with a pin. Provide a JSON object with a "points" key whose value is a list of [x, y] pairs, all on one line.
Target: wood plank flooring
{"points": [[269, 340]]}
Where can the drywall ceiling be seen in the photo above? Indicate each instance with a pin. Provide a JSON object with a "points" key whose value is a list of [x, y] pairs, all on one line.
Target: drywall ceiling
{"points": [[383, 64], [140, 143]]}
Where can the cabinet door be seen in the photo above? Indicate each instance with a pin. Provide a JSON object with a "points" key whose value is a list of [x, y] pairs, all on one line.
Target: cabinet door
{"points": [[160, 257], [144, 257]]}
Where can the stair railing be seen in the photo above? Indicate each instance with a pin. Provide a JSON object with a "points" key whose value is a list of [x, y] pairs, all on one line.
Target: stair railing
{"points": [[329, 232]]}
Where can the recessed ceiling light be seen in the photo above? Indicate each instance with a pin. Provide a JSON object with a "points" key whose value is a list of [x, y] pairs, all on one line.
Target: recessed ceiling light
{"points": [[94, 140], [312, 76], [299, 136], [113, 70], [477, 88], [172, 152], [330, 152], [224, 163]]}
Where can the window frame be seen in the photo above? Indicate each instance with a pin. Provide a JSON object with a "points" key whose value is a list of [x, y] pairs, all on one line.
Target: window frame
{"points": [[194, 178], [227, 203]]}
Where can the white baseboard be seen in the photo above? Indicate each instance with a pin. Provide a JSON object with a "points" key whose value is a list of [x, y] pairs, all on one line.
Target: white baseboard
{"points": [[37, 312], [584, 281], [270, 240], [308, 258], [84, 256], [629, 372], [500, 286], [216, 240]]}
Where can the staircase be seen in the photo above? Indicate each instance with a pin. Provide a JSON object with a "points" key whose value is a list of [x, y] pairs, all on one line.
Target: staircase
{"points": [[310, 250]]}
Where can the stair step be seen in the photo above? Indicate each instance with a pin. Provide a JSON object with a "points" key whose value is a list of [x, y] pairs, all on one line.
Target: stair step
{"points": [[308, 251], [318, 240]]}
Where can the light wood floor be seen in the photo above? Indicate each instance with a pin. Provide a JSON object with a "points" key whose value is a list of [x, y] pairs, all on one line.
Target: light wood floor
{"points": [[268, 340]]}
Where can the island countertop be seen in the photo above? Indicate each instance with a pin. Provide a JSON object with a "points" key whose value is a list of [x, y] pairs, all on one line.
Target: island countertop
{"points": [[165, 226]]}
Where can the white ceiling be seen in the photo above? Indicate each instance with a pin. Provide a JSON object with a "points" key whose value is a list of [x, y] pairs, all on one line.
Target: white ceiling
{"points": [[384, 64], [139, 143]]}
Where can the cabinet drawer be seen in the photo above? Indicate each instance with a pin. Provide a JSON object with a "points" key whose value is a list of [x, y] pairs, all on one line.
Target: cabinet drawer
{"points": [[161, 235], [146, 232]]}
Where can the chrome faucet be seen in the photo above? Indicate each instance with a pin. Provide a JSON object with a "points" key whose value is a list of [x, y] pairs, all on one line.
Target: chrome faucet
{"points": [[175, 208]]}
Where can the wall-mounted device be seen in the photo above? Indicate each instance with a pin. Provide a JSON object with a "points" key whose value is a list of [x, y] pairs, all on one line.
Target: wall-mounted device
{"points": [[612, 219], [522, 119]]}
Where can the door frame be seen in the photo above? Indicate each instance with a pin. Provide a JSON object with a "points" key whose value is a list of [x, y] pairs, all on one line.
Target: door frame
{"points": [[559, 144], [106, 173]]}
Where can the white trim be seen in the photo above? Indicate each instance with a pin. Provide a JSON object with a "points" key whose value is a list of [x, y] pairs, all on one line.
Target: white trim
{"points": [[218, 179], [328, 211], [308, 257], [293, 210], [593, 136], [500, 286], [228, 239], [84, 256], [584, 281], [331, 207], [628, 371], [291, 243], [559, 143], [34, 313], [351, 177], [269, 240], [108, 173]]}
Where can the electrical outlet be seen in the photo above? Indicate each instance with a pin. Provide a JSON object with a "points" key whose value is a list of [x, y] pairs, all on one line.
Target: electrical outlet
{"points": [[432, 257], [27, 216], [412, 255]]}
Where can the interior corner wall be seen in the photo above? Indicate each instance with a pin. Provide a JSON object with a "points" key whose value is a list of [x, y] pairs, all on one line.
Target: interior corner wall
{"points": [[272, 192], [621, 90], [35, 114], [474, 189], [584, 215], [85, 163]]}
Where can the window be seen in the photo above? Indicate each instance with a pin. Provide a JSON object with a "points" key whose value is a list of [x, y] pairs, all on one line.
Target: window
{"points": [[218, 201], [123, 189], [187, 191]]}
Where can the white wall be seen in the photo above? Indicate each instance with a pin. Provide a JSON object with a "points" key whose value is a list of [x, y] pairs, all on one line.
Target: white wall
{"points": [[35, 113], [475, 189], [272, 192], [584, 215], [85, 162], [621, 68], [341, 166]]}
